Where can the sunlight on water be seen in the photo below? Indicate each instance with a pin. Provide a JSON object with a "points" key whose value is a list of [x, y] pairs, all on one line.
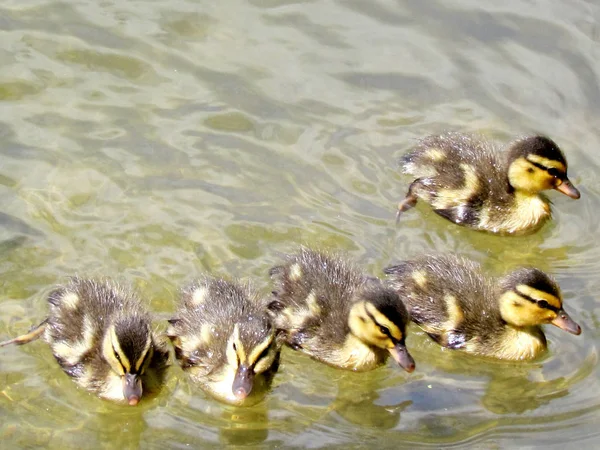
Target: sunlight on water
{"points": [[154, 141]]}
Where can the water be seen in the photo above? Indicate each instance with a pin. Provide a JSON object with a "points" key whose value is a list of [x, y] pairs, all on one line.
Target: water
{"points": [[152, 141]]}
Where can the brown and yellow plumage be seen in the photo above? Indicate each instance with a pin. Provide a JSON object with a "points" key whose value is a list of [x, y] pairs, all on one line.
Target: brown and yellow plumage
{"points": [[224, 339], [101, 336], [460, 308], [469, 183], [336, 314]]}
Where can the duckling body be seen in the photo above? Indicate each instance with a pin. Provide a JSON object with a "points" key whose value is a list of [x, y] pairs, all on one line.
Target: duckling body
{"points": [[469, 183], [460, 308], [101, 336], [224, 339], [337, 315]]}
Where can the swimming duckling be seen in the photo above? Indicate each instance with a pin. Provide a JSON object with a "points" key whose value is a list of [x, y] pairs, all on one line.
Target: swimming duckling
{"points": [[224, 339], [460, 308], [101, 336], [336, 314], [466, 181]]}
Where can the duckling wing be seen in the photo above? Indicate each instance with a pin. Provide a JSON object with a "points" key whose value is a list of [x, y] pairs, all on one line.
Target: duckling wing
{"points": [[456, 174], [445, 296], [311, 297]]}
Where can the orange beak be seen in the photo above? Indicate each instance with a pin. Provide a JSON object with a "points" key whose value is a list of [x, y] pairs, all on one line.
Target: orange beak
{"points": [[567, 188], [402, 357], [564, 322]]}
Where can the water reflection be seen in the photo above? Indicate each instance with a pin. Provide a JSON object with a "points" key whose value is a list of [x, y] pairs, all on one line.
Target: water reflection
{"points": [[368, 404], [158, 140]]}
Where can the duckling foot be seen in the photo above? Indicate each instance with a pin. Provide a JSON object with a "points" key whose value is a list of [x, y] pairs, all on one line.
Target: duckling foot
{"points": [[33, 334], [409, 201]]}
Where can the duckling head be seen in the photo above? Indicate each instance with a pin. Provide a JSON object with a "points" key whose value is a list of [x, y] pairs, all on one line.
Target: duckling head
{"points": [[378, 318], [531, 298], [128, 349], [536, 164], [251, 350]]}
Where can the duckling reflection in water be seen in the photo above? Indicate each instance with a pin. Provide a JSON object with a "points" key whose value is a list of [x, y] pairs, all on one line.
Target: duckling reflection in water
{"points": [[224, 339], [101, 336], [460, 308], [466, 181], [337, 315]]}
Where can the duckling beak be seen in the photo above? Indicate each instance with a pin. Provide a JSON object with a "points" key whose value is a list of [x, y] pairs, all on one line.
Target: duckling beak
{"points": [[243, 382], [402, 357], [132, 388], [567, 188], [564, 322]]}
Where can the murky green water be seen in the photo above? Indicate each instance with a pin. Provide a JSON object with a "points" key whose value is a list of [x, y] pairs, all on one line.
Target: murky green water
{"points": [[151, 141]]}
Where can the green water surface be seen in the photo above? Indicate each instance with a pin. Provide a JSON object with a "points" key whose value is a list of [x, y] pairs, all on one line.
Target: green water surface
{"points": [[152, 141]]}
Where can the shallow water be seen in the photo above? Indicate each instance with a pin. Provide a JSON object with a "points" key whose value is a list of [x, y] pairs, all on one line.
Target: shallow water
{"points": [[152, 141]]}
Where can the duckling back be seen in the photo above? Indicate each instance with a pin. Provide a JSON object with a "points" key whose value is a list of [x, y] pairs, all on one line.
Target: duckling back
{"points": [[330, 310], [312, 297], [460, 308], [462, 177], [224, 339], [448, 297], [100, 334], [466, 181]]}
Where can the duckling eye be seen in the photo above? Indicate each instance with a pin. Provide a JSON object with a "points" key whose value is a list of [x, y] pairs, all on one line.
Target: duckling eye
{"points": [[384, 330], [543, 304], [554, 172]]}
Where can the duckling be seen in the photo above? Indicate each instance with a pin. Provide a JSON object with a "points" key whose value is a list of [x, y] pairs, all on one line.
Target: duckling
{"points": [[460, 308], [224, 339], [466, 181], [101, 336], [337, 315]]}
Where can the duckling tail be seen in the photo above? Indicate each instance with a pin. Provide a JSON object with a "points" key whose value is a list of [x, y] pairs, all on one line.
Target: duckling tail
{"points": [[33, 334]]}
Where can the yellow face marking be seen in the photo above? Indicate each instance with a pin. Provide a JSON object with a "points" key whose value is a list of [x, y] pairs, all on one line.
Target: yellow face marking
{"points": [[295, 272], [256, 351], [420, 277], [239, 348], [539, 295], [526, 177], [199, 295], [382, 320], [313, 305], [118, 351], [70, 300], [549, 163], [520, 312], [435, 154], [147, 348]]}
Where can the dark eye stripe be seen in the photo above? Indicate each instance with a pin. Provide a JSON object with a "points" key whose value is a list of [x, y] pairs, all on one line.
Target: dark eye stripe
{"points": [[533, 300], [134, 370], [551, 170], [381, 327], [119, 358]]}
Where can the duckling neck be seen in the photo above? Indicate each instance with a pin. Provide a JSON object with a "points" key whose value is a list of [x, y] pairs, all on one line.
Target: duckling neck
{"points": [[517, 343], [522, 211], [357, 355]]}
